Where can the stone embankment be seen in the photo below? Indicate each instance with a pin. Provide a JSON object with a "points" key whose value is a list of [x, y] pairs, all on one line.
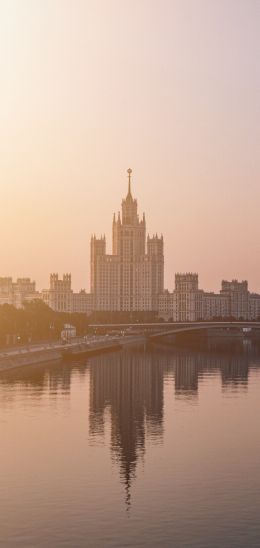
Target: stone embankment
{"points": [[49, 352], [29, 355]]}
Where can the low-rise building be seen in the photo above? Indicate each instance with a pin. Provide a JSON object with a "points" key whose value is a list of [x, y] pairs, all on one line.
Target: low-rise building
{"points": [[185, 303], [167, 305], [61, 298], [189, 303], [215, 306], [188, 298], [83, 302], [16, 293], [238, 298], [6, 290], [254, 306]]}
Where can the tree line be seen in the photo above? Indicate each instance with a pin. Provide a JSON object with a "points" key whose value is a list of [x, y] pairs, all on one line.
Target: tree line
{"points": [[35, 322]]}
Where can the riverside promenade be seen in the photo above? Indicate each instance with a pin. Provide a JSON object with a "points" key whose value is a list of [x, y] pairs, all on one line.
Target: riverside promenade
{"points": [[20, 356]]}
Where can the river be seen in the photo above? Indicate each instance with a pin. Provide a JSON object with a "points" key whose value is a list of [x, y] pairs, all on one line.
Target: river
{"points": [[148, 446]]}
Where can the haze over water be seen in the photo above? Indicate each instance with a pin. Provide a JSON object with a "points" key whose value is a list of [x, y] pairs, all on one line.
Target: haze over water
{"points": [[143, 447]]}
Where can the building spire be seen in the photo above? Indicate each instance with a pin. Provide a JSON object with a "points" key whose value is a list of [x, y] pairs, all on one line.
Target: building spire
{"points": [[129, 171]]}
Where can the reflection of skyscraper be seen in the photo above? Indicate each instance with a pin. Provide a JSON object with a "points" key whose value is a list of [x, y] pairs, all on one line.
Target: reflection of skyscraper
{"points": [[234, 374], [130, 384], [186, 374], [52, 377], [232, 359], [234, 368]]}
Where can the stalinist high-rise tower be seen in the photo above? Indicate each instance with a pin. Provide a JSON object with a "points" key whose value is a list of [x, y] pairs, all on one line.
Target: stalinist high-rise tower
{"points": [[132, 278]]}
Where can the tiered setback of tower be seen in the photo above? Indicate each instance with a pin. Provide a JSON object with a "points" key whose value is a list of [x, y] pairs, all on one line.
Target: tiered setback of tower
{"points": [[130, 279]]}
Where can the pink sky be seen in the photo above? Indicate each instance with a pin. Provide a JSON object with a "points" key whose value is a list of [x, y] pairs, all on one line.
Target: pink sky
{"points": [[169, 88]]}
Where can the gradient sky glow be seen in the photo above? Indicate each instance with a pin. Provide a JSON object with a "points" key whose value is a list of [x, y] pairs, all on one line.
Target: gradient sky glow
{"points": [[170, 88]]}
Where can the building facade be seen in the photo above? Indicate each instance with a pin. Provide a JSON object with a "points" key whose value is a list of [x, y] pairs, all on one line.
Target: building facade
{"points": [[16, 293], [61, 298], [82, 302], [254, 306], [132, 277], [189, 303], [237, 296], [188, 298], [215, 306]]}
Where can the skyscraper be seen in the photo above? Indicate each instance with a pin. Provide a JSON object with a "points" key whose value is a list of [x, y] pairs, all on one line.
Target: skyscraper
{"points": [[132, 278]]}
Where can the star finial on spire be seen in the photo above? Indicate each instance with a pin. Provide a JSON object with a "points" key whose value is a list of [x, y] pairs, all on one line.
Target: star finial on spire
{"points": [[129, 171]]}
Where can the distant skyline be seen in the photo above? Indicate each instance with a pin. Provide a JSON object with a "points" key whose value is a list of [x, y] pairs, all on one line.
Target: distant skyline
{"points": [[170, 89]]}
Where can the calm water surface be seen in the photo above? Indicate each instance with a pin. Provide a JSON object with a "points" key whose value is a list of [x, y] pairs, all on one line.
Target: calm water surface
{"points": [[144, 447]]}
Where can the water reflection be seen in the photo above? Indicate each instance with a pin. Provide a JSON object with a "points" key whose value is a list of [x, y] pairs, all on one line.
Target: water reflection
{"points": [[127, 390], [186, 373], [130, 384], [54, 378]]}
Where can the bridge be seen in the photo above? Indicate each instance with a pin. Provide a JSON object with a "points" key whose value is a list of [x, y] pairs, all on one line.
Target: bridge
{"points": [[194, 327], [158, 330]]}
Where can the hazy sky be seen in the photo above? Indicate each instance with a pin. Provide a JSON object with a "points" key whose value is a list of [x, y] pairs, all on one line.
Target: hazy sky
{"points": [[170, 88]]}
